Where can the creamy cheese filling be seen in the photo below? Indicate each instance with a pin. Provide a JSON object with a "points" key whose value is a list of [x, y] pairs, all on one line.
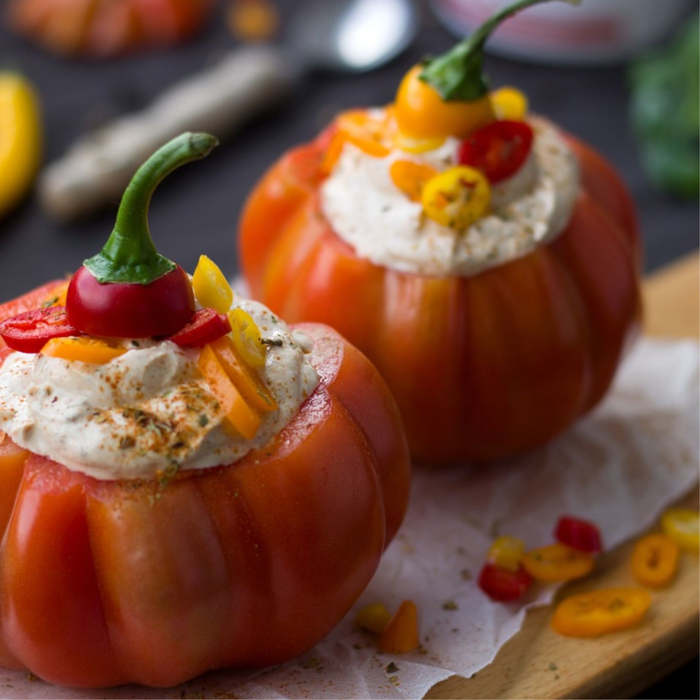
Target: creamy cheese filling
{"points": [[148, 412], [369, 212]]}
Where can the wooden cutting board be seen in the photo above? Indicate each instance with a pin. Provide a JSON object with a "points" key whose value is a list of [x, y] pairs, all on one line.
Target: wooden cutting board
{"points": [[537, 662]]}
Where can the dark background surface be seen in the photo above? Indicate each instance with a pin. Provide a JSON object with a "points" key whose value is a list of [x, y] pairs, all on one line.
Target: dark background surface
{"points": [[196, 210]]}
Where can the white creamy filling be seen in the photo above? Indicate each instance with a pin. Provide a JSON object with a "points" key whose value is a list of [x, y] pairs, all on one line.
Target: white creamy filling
{"points": [[369, 212], [148, 412]]}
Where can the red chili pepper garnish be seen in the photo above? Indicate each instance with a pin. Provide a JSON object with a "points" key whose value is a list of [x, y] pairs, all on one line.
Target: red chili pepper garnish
{"points": [[31, 330], [498, 149], [578, 534], [129, 290], [207, 326], [502, 584]]}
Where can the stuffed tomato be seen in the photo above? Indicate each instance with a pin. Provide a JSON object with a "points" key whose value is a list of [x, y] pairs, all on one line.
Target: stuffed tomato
{"points": [[215, 496], [486, 261]]}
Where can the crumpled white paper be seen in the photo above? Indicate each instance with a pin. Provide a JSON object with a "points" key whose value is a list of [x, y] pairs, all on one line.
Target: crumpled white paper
{"points": [[619, 467]]}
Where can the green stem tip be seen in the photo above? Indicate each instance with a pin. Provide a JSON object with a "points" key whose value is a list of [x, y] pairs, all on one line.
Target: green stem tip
{"points": [[129, 254], [458, 74]]}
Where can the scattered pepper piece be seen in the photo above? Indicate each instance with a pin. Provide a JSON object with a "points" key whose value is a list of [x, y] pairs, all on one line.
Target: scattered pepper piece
{"points": [[90, 350], [457, 197], [507, 552], [365, 131], [210, 286], [682, 525], [411, 177], [557, 562], [401, 633], [373, 618], [239, 415], [599, 612], [247, 339], [655, 560], [579, 534], [502, 584], [252, 20], [509, 103]]}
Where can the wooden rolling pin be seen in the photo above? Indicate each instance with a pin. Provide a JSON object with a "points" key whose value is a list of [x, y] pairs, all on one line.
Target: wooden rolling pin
{"points": [[97, 167]]}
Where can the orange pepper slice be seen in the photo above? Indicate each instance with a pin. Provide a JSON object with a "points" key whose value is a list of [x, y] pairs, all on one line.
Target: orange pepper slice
{"points": [[600, 612], [401, 632], [411, 177], [457, 197], [90, 350], [507, 552], [238, 414], [655, 560], [557, 562], [246, 381], [370, 134]]}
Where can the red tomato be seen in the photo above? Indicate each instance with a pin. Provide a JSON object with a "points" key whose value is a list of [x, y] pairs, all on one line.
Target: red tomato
{"points": [[478, 373], [503, 584], [105, 27], [124, 310], [31, 330], [498, 149], [107, 582], [206, 326], [578, 534]]}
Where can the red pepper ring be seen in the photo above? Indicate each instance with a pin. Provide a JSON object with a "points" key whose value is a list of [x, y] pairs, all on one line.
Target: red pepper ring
{"points": [[498, 149], [578, 534], [206, 326], [31, 330], [502, 584]]}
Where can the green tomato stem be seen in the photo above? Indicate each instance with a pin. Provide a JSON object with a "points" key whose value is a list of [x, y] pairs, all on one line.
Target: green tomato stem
{"points": [[458, 74], [129, 254]]}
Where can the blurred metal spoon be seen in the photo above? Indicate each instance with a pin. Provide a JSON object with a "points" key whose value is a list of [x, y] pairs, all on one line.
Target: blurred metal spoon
{"points": [[337, 35]]}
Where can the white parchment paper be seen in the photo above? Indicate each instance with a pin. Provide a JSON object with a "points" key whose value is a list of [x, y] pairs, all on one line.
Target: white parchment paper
{"points": [[619, 467]]}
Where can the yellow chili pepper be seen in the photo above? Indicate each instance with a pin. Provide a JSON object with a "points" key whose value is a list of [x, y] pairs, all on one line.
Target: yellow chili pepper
{"points": [[422, 114], [90, 350], [682, 525], [20, 138], [599, 612], [509, 103], [411, 177], [247, 339], [210, 286], [373, 618], [655, 560], [457, 197], [507, 552]]}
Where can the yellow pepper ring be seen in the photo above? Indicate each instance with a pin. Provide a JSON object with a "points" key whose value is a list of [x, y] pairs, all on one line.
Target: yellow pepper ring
{"points": [[210, 286], [457, 197], [246, 338]]}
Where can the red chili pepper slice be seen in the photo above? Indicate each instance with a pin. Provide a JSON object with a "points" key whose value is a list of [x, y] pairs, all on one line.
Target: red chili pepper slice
{"points": [[205, 327], [31, 330], [498, 149], [502, 584], [578, 534]]}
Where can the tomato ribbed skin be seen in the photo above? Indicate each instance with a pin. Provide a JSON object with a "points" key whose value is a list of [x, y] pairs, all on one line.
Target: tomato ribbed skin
{"points": [[108, 582], [482, 367]]}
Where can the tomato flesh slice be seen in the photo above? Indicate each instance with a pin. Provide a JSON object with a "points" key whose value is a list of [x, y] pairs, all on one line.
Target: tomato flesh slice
{"points": [[498, 149]]}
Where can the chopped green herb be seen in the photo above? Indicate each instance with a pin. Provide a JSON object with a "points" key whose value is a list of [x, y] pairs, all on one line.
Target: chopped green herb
{"points": [[450, 605], [203, 420], [392, 668]]}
